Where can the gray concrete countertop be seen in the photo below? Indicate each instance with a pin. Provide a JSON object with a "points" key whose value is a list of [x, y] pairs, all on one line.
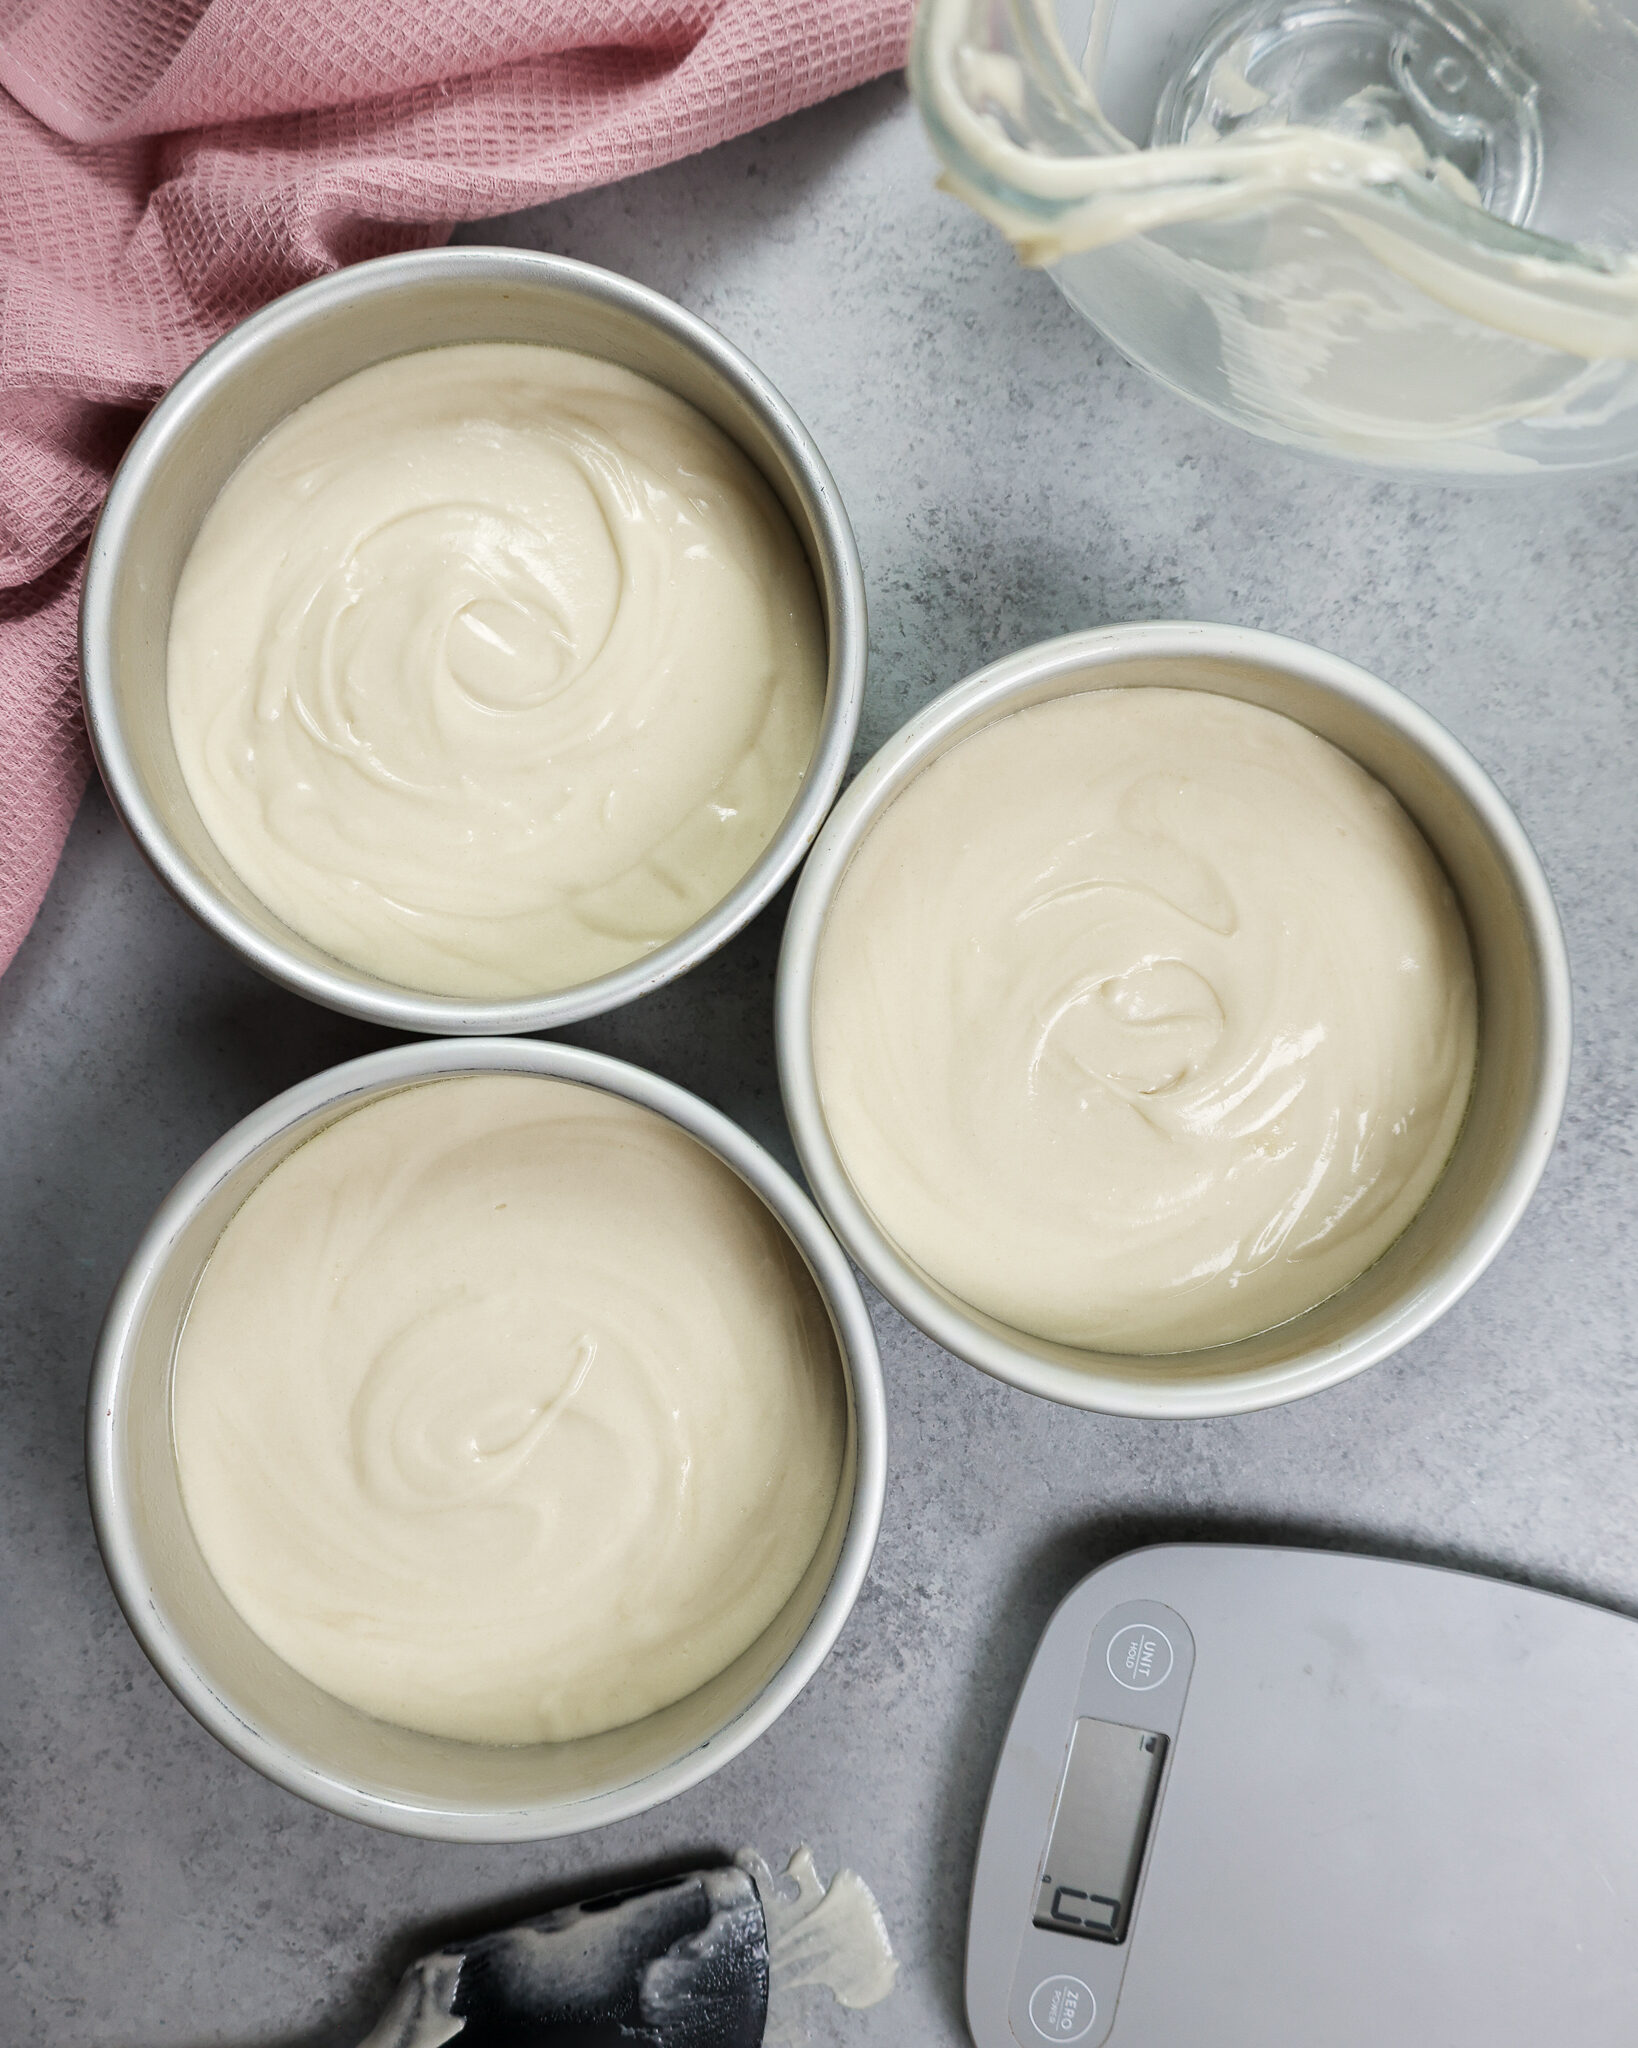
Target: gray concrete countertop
{"points": [[1009, 477]]}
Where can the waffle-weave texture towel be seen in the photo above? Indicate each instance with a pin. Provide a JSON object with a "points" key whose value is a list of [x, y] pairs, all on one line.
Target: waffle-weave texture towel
{"points": [[166, 166]]}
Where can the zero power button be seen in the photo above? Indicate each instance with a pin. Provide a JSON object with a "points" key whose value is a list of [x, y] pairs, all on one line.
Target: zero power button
{"points": [[1062, 2009], [1140, 1657]]}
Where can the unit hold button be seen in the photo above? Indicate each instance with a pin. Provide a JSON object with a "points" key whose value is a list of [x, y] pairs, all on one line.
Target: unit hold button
{"points": [[1140, 1657], [1062, 2009]]}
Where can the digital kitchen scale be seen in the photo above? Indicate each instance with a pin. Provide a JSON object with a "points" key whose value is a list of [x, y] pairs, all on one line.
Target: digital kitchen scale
{"points": [[1257, 1798]]}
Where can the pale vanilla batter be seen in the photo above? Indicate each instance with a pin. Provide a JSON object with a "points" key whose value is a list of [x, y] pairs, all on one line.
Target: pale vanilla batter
{"points": [[1143, 1020], [493, 668], [506, 1411]]}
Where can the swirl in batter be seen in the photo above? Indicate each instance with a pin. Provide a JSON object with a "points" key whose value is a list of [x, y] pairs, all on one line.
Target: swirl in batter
{"points": [[493, 668], [506, 1411], [1144, 1020]]}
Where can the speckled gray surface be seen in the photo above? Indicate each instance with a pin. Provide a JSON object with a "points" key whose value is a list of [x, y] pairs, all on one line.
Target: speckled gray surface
{"points": [[1009, 477]]}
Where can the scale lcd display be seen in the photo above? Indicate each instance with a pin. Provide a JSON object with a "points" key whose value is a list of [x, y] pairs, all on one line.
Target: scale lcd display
{"points": [[1099, 1827]]}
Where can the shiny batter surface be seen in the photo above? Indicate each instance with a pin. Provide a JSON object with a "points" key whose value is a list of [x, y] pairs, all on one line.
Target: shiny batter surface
{"points": [[504, 1410], [1144, 1020], [493, 668]]}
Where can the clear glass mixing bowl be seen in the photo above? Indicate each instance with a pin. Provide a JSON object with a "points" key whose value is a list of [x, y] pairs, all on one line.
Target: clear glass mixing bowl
{"points": [[1396, 231]]}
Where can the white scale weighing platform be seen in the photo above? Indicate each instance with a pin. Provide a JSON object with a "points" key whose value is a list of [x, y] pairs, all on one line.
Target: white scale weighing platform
{"points": [[1260, 1798]]}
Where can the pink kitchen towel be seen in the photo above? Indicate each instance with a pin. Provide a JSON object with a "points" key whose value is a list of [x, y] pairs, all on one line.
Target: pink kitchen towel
{"points": [[166, 166]]}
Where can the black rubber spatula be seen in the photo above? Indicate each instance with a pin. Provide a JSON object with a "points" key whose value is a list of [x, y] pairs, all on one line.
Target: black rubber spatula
{"points": [[687, 1962]]}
